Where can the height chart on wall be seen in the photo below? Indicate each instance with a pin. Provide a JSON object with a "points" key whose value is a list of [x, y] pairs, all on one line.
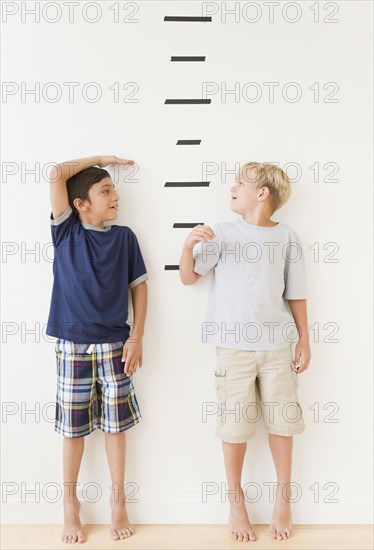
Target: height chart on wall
{"points": [[187, 250]]}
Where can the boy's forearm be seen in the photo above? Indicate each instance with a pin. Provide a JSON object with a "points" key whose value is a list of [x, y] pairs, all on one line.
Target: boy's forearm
{"points": [[299, 312], [69, 168], [186, 267], [139, 296]]}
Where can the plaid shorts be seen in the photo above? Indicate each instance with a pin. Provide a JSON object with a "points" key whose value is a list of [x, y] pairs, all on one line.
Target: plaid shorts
{"points": [[93, 390]]}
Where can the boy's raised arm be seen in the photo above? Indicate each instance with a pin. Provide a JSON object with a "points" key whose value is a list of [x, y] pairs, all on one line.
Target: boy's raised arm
{"points": [[62, 172], [57, 181]]}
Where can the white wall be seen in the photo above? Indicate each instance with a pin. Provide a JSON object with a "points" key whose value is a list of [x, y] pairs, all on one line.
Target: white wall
{"points": [[172, 453]]}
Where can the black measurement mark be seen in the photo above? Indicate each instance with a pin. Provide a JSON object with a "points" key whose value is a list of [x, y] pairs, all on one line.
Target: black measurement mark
{"points": [[188, 18], [187, 101], [188, 58], [188, 141], [186, 225], [187, 184]]}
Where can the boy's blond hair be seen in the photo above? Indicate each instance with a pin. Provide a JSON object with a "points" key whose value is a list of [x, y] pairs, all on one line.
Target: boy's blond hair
{"points": [[272, 177]]}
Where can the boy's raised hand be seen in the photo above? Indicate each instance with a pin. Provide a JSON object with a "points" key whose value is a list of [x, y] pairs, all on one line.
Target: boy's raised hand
{"points": [[198, 234], [111, 159]]}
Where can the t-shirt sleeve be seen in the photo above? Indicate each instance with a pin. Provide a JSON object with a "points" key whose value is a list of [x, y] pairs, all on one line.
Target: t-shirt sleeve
{"points": [[294, 272], [206, 254], [137, 272], [62, 225]]}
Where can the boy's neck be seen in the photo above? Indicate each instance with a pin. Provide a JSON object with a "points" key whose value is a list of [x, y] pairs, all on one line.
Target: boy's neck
{"points": [[95, 223], [261, 219]]}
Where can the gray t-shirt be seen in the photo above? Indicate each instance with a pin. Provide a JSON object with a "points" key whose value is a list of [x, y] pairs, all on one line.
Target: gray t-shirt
{"points": [[255, 270]]}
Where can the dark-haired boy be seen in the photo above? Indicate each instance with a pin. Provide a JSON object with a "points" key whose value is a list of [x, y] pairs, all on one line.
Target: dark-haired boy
{"points": [[95, 263]]}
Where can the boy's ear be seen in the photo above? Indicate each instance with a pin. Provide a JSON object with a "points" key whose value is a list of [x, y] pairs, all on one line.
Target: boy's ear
{"points": [[79, 204]]}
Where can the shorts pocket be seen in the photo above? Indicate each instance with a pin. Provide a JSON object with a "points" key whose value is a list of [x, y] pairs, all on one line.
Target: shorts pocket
{"points": [[65, 346], [220, 381]]}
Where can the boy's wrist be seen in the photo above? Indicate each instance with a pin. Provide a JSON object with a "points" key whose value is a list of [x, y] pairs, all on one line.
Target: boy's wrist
{"points": [[137, 331], [186, 247]]}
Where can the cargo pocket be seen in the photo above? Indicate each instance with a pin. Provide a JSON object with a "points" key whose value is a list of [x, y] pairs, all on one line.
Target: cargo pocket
{"points": [[220, 378]]}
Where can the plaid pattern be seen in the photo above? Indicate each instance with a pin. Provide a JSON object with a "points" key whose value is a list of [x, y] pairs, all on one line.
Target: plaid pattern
{"points": [[92, 389]]}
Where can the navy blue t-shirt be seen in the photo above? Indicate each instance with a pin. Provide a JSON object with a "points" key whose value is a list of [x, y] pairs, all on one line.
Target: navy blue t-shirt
{"points": [[93, 269]]}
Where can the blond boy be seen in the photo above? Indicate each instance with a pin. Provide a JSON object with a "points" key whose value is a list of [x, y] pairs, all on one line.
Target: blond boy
{"points": [[257, 301]]}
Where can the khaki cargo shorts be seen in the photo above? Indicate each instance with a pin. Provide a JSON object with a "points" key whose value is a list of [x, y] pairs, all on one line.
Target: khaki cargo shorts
{"points": [[255, 384]]}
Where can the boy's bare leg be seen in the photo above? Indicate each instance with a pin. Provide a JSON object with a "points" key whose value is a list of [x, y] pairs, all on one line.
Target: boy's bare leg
{"points": [[72, 457], [281, 449], [240, 526], [115, 445]]}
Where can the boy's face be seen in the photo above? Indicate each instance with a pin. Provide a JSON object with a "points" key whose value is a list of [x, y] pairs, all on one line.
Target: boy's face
{"points": [[104, 200], [244, 194]]}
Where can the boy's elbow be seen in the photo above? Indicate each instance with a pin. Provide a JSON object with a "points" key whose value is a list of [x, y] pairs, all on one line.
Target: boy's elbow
{"points": [[54, 173], [184, 280], [192, 279]]}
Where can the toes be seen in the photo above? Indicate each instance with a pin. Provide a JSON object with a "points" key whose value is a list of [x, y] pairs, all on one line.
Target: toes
{"points": [[125, 533], [272, 533], [243, 536], [115, 535], [252, 536]]}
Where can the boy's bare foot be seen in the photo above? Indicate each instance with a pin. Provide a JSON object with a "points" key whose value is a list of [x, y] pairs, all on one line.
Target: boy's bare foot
{"points": [[120, 522], [240, 527], [281, 524], [72, 531]]}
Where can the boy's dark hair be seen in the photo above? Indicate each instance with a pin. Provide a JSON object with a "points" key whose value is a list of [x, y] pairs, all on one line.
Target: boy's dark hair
{"points": [[79, 185]]}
